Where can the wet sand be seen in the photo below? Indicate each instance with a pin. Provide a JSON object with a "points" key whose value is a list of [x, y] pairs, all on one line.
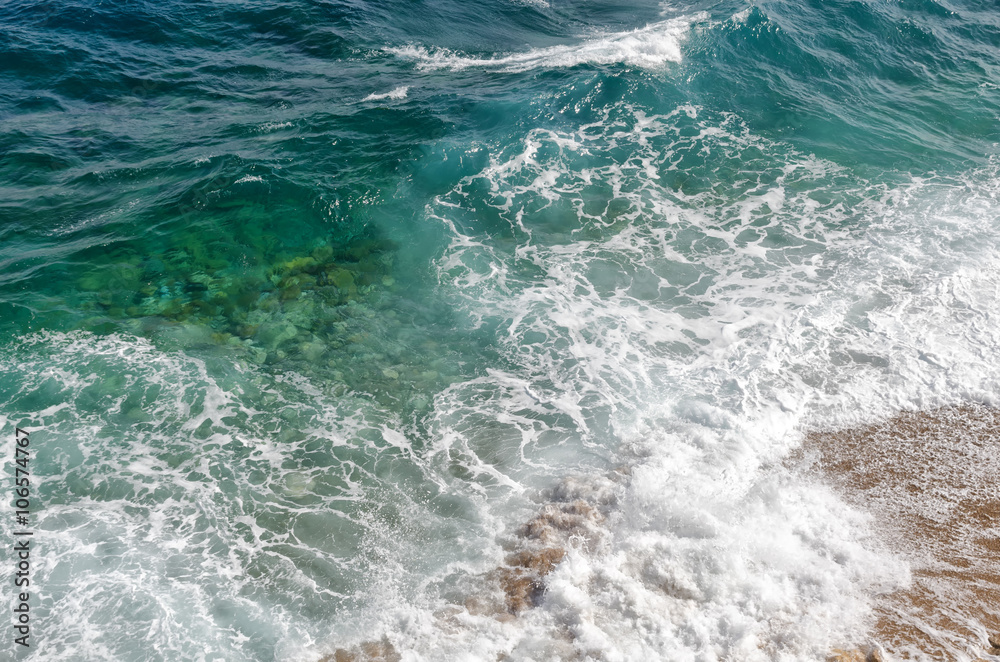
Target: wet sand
{"points": [[931, 480]]}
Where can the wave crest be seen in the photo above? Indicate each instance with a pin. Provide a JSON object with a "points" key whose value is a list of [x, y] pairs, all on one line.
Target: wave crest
{"points": [[650, 47]]}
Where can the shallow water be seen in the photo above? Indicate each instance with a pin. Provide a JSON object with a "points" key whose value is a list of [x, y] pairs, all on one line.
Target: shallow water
{"points": [[310, 306]]}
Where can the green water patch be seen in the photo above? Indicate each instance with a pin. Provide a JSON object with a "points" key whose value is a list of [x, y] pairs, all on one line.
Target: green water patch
{"points": [[330, 310], [258, 276]]}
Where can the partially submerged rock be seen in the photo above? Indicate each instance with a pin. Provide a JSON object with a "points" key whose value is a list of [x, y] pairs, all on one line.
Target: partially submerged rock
{"points": [[994, 641], [369, 651], [571, 518], [855, 655], [556, 522], [522, 579]]}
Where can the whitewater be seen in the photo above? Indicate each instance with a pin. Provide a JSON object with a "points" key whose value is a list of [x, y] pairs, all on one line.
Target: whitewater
{"points": [[479, 333]]}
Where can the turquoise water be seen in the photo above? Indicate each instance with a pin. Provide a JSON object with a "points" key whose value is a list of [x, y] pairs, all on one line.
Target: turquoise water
{"points": [[309, 306]]}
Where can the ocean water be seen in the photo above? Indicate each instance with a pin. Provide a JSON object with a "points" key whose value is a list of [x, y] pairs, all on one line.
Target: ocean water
{"points": [[310, 306]]}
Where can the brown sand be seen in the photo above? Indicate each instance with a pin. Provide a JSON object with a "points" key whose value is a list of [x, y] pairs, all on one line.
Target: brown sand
{"points": [[932, 481]]}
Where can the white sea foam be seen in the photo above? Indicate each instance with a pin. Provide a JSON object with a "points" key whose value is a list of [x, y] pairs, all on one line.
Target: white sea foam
{"points": [[693, 335], [542, 4], [268, 127], [394, 94], [649, 47], [689, 329], [176, 506]]}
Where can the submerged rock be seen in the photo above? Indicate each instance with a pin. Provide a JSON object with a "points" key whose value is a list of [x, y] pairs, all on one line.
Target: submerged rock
{"points": [[855, 655], [369, 651], [312, 351], [273, 334], [522, 579], [326, 307], [343, 279], [994, 641], [186, 335], [569, 521], [557, 521]]}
